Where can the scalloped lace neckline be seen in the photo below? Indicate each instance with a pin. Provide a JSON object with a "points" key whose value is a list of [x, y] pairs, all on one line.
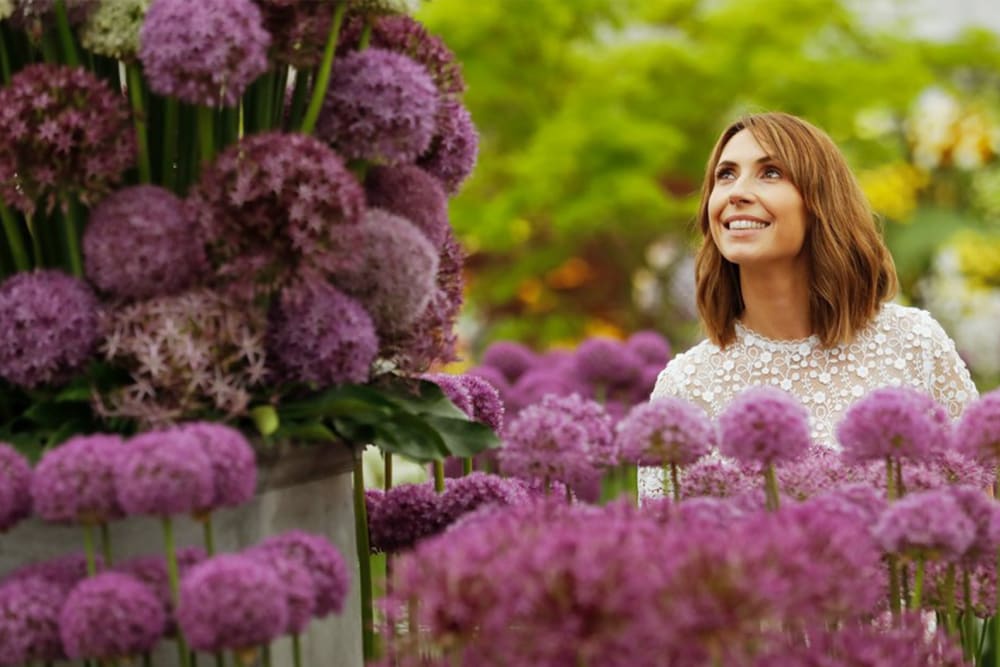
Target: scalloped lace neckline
{"points": [[746, 334]]}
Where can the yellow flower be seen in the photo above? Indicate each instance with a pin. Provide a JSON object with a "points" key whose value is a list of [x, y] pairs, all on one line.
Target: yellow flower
{"points": [[892, 189]]}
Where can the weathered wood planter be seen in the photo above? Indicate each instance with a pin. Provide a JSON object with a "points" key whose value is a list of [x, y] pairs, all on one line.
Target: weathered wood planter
{"points": [[307, 488]]}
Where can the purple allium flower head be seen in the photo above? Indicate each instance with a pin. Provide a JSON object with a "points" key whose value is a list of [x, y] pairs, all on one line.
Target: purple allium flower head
{"points": [[15, 487], [29, 620], [75, 482], [276, 200], [715, 478], [203, 53], [977, 433], [299, 30], [511, 358], [952, 466], [604, 363], [764, 425], [296, 582], [51, 327], [650, 346], [984, 512], [380, 107], [537, 383], [495, 377], [63, 132], [455, 389], [929, 523], [706, 511], [896, 422], [857, 500], [65, 571], [405, 515], [234, 463], [665, 431], [820, 470], [322, 560], [110, 616], [319, 335], [487, 408], [389, 266], [36, 16], [165, 472], [455, 147], [465, 494], [141, 243], [231, 602], [644, 385], [412, 193], [152, 572]]}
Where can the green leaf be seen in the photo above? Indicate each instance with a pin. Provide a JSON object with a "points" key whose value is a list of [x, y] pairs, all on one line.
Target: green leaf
{"points": [[463, 437], [356, 401], [410, 436], [52, 415], [305, 431], [427, 399]]}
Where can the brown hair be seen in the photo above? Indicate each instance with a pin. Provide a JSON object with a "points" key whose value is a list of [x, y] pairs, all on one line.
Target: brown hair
{"points": [[852, 271]]}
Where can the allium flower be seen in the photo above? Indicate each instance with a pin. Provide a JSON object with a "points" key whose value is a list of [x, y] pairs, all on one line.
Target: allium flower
{"points": [[665, 431], [977, 434], [984, 512], [511, 358], [319, 335], [896, 422], [231, 602], [299, 30], [140, 243], [234, 463], [405, 515], [276, 200], [537, 383], [716, 478], [706, 512], [36, 16], [15, 487], [63, 132], [205, 53], [487, 408], [389, 266], [455, 389], [494, 376], [297, 584], [192, 352], [51, 327], [402, 34], [604, 363], [454, 148], [929, 524], [821, 469], [162, 473], [112, 29], [110, 616], [650, 346], [380, 107], [152, 572], [29, 621], [65, 571], [323, 562], [412, 193], [75, 482], [465, 494], [764, 425]]}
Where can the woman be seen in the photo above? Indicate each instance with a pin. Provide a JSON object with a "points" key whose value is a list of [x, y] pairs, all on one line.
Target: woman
{"points": [[794, 282]]}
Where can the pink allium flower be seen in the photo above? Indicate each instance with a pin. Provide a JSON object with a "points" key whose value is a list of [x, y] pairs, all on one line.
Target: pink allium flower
{"points": [[534, 385], [15, 487], [389, 266], [163, 473], [380, 107], [821, 469], [494, 377], [141, 243], [51, 327], [650, 346], [319, 335], [405, 515], [977, 433], [234, 463], [859, 501], [665, 431], [152, 572], [604, 363], [296, 582], [65, 571], [454, 149], [29, 621], [487, 408], [324, 563], [111, 615], [643, 387], [930, 524], [984, 512], [703, 512], [412, 193], [897, 422], [299, 30], [75, 482], [63, 132], [454, 389], [465, 494], [231, 602], [715, 478], [764, 425], [204, 53], [511, 358], [275, 202]]}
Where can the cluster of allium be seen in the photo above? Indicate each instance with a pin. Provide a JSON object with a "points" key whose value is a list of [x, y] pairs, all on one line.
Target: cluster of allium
{"points": [[63, 132], [896, 423], [140, 243], [411, 193], [35, 17], [665, 431], [189, 353], [50, 330], [112, 28], [152, 571], [203, 53], [730, 584], [764, 425], [454, 149], [75, 482], [978, 432], [272, 205]]}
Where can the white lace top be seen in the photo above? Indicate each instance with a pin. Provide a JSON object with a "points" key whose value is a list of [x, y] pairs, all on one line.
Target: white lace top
{"points": [[902, 346]]}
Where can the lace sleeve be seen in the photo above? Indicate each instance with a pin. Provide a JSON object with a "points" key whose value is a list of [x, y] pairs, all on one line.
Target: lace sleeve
{"points": [[945, 374]]}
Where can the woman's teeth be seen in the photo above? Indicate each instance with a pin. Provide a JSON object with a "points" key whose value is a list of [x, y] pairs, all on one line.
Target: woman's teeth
{"points": [[746, 224]]}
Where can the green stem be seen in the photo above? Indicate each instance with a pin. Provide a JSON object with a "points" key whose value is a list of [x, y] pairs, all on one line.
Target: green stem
{"points": [[890, 486], [106, 545], [265, 655], [949, 601], [168, 171], [296, 651], [66, 35], [206, 134], [439, 476], [71, 230], [968, 618], [323, 74], [894, 604], [364, 559], [14, 240], [675, 482], [569, 494], [4, 60], [771, 488], [174, 577], [135, 94], [467, 465], [366, 36], [88, 547], [299, 94], [387, 463], [900, 487], [918, 584], [208, 534], [279, 88], [50, 53]]}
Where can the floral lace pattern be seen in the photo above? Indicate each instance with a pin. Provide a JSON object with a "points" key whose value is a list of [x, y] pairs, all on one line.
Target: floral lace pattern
{"points": [[902, 347]]}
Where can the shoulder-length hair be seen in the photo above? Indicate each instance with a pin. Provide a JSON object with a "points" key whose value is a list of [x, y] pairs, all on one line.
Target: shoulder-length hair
{"points": [[852, 272]]}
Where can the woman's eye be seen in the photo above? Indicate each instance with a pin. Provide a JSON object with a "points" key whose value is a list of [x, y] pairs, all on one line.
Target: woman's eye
{"points": [[772, 172], [724, 174]]}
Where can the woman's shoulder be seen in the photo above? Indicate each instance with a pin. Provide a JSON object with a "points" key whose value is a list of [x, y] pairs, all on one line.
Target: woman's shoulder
{"points": [[685, 369], [915, 324]]}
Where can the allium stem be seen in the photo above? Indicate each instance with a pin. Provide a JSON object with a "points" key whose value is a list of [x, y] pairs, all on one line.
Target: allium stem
{"points": [[771, 488], [467, 465], [299, 94], [66, 35], [968, 618], [50, 53], [675, 482], [208, 534], [323, 74], [174, 577], [364, 558], [4, 60], [900, 487], [71, 230], [106, 545], [265, 655], [206, 134], [569, 494], [890, 486], [168, 172], [135, 94], [387, 464], [439, 476], [88, 547], [296, 651], [366, 36], [630, 481], [918, 584], [894, 585], [949, 600], [12, 230]]}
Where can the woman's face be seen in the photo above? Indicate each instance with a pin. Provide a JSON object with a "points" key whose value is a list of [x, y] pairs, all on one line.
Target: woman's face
{"points": [[756, 215]]}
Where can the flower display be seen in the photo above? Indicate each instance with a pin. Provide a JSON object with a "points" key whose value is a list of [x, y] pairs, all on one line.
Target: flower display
{"points": [[764, 425], [206, 53], [894, 422], [75, 482], [29, 620], [978, 432], [234, 463], [605, 363], [112, 28], [52, 327], [165, 472], [412, 193], [470, 492], [664, 431], [15, 487], [63, 132], [322, 560], [152, 572], [452, 154]]}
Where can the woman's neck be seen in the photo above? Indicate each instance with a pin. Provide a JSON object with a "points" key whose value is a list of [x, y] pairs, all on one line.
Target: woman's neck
{"points": [[776, 304]]}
